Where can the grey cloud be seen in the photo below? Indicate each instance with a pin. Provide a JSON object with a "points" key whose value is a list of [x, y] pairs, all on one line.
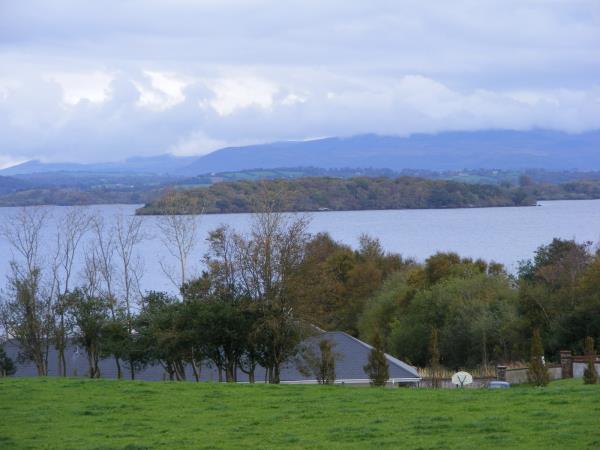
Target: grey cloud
{"points": [[292, 70]]}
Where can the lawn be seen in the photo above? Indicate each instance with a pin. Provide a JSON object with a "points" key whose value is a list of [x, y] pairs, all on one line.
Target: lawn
{"points": [[78, 413]]}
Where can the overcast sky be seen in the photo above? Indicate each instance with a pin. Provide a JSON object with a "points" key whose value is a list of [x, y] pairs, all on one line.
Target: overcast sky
{"points": [[103, 80]]}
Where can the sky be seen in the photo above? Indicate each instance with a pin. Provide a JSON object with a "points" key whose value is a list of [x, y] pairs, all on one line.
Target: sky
{"points": [[88, 81]]}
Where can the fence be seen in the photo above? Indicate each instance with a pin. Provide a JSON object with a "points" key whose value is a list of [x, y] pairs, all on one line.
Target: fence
{"points": [[571, 366], [479, 382], [519, 376]]}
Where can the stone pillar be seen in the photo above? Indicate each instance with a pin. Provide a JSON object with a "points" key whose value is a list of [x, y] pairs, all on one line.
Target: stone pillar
{"points": [[501, 373], [566, 364]]}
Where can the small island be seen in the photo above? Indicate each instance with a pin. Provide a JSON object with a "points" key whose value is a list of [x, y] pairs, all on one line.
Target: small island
{"points": [[336, 194]]}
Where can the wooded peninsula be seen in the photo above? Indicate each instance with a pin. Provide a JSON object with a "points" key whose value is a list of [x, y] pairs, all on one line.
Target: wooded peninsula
{"points": [[360, 193]]}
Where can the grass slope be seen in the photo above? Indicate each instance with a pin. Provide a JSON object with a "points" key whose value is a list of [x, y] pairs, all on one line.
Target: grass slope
{"points": [[77, 413]]}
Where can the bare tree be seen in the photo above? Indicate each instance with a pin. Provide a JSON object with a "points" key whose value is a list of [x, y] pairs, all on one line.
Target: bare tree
{"points": [[109, 263], [23, 231], [221, 258], [266, 261], [269, 255], [178, 235], [128, 234], [26, 312], [100, 263], [70, 230], [258, 268]]}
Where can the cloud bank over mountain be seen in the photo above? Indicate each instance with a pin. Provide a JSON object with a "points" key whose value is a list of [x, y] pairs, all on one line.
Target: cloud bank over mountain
{"points": [[84, 81]]}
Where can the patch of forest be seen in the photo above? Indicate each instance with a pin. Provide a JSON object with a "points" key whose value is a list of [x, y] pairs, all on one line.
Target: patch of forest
{"points": [[74, 196], [360, 193], [473, 176], [301, 189]]}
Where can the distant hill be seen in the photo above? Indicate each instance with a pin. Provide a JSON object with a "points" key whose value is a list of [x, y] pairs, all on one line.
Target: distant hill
{"points": [[449, 151], [85, 180], [501, 149], [474, 176], [9, 185], [161, 164]]}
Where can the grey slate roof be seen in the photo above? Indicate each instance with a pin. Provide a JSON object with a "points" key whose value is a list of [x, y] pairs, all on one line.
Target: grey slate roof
{"points": [[352, 356]]}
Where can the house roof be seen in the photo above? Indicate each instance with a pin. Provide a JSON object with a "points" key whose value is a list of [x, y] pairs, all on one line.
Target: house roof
{"points": [[351, 356]]}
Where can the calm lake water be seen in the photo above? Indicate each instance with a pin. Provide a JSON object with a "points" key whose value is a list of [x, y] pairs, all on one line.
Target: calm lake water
{"points": [[506, 235]]}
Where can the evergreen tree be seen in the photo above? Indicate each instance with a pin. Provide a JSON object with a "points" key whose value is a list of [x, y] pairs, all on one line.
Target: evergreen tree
{"points": [[538, 372], [434, 361], [326, 374], [377, 367], [7, 366], [590, 375]]}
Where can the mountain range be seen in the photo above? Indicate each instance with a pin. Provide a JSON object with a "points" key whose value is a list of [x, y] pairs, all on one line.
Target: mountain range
{"points": [[485, 149], [161, 164]]}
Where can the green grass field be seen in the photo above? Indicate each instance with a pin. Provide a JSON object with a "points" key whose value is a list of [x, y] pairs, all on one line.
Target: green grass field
{"points": [[78, 413]]}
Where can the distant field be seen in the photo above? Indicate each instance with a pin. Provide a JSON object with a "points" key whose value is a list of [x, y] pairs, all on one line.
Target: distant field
{"points": [[77, 413]]}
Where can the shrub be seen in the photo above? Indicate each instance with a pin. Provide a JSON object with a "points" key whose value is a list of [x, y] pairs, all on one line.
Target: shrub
{"points": [[538, 372], [590, 375], [434, 361], [377, 368], [7, 367], [320, 364], [326, 373]]}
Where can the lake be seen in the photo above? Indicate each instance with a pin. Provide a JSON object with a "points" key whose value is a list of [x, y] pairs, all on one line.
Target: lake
{"points": [[505, 235]]}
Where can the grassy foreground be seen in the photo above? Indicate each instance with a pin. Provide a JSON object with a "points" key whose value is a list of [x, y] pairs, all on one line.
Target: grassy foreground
{"points": [[78, 413]]}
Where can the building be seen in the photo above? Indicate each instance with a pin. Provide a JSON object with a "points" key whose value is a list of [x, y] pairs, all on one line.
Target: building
{"points": [[351, 356]]}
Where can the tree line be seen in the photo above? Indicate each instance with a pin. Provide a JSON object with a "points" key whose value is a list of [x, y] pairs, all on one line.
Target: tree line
{"points": [[304, 189], [363, 193], [336, 194], [236, 314], [262, 293]]}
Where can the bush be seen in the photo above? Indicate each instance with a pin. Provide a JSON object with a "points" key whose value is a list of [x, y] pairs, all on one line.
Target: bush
{"points": [[326, 371], [538, 372], [434, 362], [320, 364], [7, 367], [590, 375], [377, 367]]}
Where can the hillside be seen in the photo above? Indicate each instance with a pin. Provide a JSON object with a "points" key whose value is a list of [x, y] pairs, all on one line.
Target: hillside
{"points": [[323, 193], [71, 413], [475, 176], [9, 185], [161, 164], [73, 197], [80, 188], [499, 149], [458, 150]]}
